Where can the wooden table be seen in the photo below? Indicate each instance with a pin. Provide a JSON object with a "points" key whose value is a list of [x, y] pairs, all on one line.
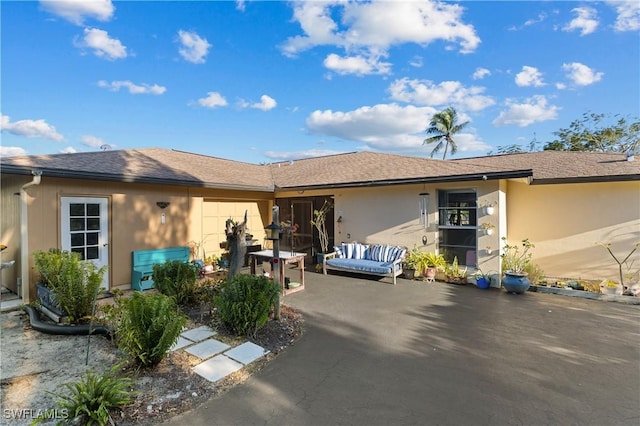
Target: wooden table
{"points": [[286, 258]]}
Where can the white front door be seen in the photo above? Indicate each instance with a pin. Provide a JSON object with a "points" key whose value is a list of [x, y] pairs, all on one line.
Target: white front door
{"points": [[85, 230]]}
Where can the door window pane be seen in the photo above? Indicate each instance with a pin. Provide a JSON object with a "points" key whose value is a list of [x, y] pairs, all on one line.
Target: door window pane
{"points": [[92, 253], [76, 224], [93, 209], [77, 240], [93, 224], [92, 238], [78, 250], [76, 209]]}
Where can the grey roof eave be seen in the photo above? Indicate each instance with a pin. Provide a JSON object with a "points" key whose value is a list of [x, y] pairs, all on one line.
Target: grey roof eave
{"points": [[72, 174], [587, 179], [439, 179]]}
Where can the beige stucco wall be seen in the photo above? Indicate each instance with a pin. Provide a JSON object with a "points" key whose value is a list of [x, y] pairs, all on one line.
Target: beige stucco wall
{"points": [[390, 215], [566, 221], [134, 217]]}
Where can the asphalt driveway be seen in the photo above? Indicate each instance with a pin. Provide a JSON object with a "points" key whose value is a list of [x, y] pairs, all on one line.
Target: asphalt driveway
{"points": [[439, 354]]}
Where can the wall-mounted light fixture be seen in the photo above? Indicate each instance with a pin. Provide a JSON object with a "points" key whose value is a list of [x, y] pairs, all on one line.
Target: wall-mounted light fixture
{"points": [[163, 204]]}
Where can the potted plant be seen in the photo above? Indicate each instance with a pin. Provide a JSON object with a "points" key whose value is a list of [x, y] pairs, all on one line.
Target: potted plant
{"points": [[483, 280], [454, 274], [487, 228], [67, 286], [320, 223], [430, 262], [411, 263], [516, 260]]}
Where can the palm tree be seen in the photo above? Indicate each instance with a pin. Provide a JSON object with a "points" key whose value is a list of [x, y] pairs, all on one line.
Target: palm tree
{"points": [[444, 125]]}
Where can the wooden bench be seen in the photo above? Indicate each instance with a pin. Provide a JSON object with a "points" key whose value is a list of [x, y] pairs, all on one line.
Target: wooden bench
{"points": [[142, 262]]}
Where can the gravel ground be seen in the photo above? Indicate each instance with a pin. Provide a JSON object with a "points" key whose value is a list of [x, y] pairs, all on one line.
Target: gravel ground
{"points": [[33, 363]]}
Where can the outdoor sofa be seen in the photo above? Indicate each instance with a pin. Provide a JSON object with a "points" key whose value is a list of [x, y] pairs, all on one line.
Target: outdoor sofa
{"points": [[372, 259]]}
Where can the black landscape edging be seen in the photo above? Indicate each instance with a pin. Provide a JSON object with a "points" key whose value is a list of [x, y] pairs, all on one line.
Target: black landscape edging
{"points": [[68, 330]]}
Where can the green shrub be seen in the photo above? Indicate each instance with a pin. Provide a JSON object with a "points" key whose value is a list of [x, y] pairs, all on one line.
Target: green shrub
{"points": [[147, 327], [244, 303], [73, 281], [177, 279], [90, 400]]}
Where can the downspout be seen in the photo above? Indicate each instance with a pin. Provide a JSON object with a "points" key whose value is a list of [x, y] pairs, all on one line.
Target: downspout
{"points": [[24, 234]]}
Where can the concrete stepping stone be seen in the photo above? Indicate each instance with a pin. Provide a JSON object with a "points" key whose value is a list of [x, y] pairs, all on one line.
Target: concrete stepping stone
{"points": [[217, 368], [207, 348], [199, 334], [181, 343], [246, 353]]}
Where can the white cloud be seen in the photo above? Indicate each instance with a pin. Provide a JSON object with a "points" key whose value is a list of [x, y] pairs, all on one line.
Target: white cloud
{"points": [[425, 92], [241, 5], [581, 74], [586, 20], [529, 76], [30, 128], [385, 127], [480, 73], [530, 22], [358, 65], [416, 62], [193, 48], [76, 11], [68, 150], [134, 89], [103, 46], [266, 103], [95, 142], [12, 151], [533, 110], [213, 100], [628, 18], [363, 34]]}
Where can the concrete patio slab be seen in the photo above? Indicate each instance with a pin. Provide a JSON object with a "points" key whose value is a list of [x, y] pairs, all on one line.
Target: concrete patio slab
{"points": [[181, 343], [207, 348], [217, 368], [246, 353], [198, 334]]}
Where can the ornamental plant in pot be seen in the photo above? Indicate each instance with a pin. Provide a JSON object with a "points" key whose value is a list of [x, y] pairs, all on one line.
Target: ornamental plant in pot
{"points": [[430, 262], [454, 274], [516, 260], [411, 263], [67, 286]]}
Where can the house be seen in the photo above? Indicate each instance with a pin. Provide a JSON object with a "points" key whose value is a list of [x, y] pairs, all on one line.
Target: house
{"points": [[106, 204]]}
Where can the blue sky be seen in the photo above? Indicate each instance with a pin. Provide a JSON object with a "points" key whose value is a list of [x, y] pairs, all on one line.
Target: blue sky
{"points": [[262, 81]]}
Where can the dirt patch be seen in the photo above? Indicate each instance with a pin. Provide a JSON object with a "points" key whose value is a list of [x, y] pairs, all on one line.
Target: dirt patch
{"points": [[33, 363]]}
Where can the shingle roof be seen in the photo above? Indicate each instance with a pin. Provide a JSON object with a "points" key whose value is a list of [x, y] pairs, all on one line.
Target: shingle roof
{"points": [[151, 165], [156, 165], [564, 166], [370, 168]]}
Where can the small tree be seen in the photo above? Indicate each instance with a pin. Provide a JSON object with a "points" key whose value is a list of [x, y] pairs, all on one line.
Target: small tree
{"points": [[620, 262], [320, 222]]}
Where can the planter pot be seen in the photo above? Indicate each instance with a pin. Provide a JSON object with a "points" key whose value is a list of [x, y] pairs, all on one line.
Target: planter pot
{"points": [[456, 280], [515, 283], [48, 299], [409, 273], [482, 283], [490, 210], [430, 273]]}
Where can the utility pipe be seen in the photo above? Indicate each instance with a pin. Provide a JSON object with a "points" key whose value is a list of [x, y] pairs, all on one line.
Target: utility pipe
{"points": [[24, 234]]}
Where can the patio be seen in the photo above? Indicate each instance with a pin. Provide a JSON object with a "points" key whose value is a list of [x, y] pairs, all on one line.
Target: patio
{"points": [[419, 353]]}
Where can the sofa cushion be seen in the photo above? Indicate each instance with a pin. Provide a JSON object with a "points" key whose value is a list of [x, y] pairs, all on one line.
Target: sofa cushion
{"points": [[386, 253], [370, 266], [339, 252]]}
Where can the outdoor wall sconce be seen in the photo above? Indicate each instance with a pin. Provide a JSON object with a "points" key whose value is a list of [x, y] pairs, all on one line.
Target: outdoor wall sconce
{"points": [[163, 204], [424, 240]]}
